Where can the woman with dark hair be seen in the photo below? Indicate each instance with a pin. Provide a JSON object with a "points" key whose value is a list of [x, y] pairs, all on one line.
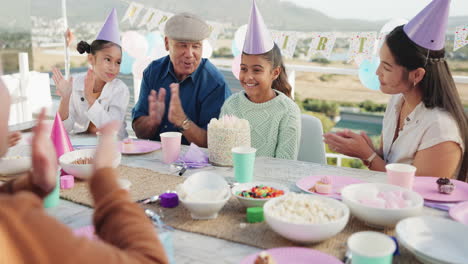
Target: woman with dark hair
{"points": [[275, 119], [91, 100], [425, 124]]}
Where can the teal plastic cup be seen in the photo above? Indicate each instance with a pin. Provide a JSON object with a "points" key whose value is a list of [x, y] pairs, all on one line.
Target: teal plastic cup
{"points": [[370, 247], [243, 160], [53, 198]]}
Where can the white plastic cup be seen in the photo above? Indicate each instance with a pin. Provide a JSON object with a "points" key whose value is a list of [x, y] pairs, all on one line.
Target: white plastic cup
{"points": [[244, 163], [171, 142], [369, 247], [401, 174]]}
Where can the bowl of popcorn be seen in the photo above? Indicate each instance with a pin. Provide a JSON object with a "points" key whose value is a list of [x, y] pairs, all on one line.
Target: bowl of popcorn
{"points": [[256, 194], [204, 194], [79, 163], [306, 218], [14, 164], [380, 204]]}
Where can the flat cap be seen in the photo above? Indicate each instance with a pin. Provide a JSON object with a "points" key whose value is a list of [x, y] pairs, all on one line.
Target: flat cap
{"points": [[186, 27]]}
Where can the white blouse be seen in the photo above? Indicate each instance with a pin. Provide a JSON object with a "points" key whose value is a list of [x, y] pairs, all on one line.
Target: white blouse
{"points": [[423, 128], [110, 105]]}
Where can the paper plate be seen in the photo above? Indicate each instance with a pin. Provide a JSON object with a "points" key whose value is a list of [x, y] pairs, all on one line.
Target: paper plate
{"points": [[427, 187], [296, 255], [434, 239], [459, 212], [139, 147], [339, 182], [11, 165]]}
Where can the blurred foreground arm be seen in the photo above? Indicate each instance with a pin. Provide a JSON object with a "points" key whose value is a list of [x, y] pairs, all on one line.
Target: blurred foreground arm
{"points": [[127, 235]]}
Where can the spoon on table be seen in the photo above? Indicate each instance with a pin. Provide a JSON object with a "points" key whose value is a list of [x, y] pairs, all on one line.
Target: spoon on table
{"points": [[153, 199], [348, 257]]}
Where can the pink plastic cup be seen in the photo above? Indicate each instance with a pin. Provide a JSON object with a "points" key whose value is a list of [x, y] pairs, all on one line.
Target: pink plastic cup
{"points": [[401, 174], [170, 142]]}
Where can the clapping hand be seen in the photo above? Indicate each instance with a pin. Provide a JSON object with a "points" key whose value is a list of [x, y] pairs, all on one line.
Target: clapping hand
{"points": [[89, 83], [156, 106], [176, 112], [69, 37], [63, 86], [107, 146], [13, 138], [44, 159], [349, 143]]}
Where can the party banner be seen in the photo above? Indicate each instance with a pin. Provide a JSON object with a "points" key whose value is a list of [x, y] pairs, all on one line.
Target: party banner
{"points": [[461, 37], [361, 46], [148, 19], [160, 19], [379, 42], [286, 41], [322, 44], [215, 29], [132, 13]]}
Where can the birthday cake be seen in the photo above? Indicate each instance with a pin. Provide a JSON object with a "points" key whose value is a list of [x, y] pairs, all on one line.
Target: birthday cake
{"points": [[223, 135]]}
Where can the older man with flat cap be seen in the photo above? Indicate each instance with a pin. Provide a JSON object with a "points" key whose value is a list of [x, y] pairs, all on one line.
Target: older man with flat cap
{"points": [[182, 91]]}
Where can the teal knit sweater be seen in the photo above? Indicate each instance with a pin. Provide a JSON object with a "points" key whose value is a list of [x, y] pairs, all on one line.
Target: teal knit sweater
{"points": [[275, 126]]}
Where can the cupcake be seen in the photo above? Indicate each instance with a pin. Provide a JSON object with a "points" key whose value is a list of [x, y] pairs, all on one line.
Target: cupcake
{"points": [[323, 186], [264, 258], [445, 186], [128, 145]]}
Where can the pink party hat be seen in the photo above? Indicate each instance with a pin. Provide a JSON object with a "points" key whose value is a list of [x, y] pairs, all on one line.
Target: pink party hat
{"points": [[60, 137], [110, 29], [427, 29], [257, 39]]}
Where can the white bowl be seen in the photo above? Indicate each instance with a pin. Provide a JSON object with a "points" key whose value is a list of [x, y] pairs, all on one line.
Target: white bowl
{"points": [[306, 232], [204, 194], [14, 164], [434, 239], [255, 202], [380, 217], [82, 171]]}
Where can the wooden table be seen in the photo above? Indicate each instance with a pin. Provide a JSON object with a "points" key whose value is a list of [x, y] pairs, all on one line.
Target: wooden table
{"points": [[196, 248]]}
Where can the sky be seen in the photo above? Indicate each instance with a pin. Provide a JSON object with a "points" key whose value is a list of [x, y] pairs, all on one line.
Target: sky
{"points": [[377, 9]]}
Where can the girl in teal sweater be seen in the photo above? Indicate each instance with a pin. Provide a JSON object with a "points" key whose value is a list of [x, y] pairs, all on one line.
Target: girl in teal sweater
{"points": [[275, 119]]}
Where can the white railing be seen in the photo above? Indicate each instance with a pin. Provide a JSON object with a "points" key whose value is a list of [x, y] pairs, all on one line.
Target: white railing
{"points": [[29, 91], [338, 157], [226, 64]]}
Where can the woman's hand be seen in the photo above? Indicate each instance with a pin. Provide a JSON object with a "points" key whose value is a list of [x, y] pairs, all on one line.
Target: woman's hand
{"points": [[368, 140], [350, 144], [69, 37], [13, 138], [89, 83], [44, 159], [106, 150], [63, 87]]}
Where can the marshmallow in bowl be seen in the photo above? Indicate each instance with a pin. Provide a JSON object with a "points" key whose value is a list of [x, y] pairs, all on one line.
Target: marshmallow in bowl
{"points": [[229, 122], [303, 209], [385, 199]]}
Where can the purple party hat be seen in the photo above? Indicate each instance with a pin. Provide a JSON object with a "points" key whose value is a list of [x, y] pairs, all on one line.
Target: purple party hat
{"points": [[257, 39], [110, 29], [427, 29]]}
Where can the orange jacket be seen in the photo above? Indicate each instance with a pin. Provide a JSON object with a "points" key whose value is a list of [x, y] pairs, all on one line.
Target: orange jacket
{"points": [[29, 235]]}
